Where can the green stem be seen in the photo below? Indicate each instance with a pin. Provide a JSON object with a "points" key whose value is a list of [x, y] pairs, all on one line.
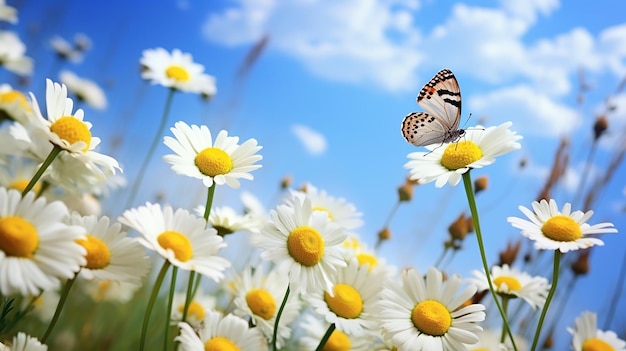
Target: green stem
{"points": [[57, 313], [280, 311], [544, 310], [153, 296], [151, 150], [467, 182], [505, 307], [190, 294], [329, 331], [170, 302], [209, 202], [46, 163]]}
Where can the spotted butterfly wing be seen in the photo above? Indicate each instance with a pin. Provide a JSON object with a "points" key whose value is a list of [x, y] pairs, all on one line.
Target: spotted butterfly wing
{"points": [[441, 98]]}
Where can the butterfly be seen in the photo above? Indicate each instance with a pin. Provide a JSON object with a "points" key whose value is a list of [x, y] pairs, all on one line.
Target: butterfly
{"points": [[441, 98]]}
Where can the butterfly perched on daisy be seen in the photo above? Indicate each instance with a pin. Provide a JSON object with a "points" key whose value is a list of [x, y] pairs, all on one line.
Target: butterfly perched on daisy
{"points": [[441, 98]]}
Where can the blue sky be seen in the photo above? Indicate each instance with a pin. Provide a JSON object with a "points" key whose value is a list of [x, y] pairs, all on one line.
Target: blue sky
{"points": [[349, 71]]}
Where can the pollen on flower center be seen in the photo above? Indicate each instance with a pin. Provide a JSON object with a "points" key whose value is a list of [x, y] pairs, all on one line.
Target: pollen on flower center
{"points": [[305, 245], [20, 185], [177, 73], [219, 343], [562, 228], [347, 302], [98, 255], [595, 344], [323, 209], [512, 283], [176, 242], [13, 96], [213, 161], [431, 317], [338, 341], [18, 237], [365, 258], [194, 310], [261, 303], [72, 130], [461, 154]]}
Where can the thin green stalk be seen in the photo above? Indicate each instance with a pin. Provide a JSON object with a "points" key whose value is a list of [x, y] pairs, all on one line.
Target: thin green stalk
{"points": [[209, 202], [544, 310], [153, 296], [505, 307], [190, 294], [151, 150], [329, 331], [469, 190], [57, 313], [46, 163], [168, 313], [280, 311]]}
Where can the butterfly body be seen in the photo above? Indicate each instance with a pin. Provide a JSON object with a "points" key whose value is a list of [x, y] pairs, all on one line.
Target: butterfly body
{"points": [[441, 98]]}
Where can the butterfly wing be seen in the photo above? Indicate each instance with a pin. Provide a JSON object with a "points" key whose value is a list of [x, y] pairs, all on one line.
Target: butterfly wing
{"points": [[421, 129]]}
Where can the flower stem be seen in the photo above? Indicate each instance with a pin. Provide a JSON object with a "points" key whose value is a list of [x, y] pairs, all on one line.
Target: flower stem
{"points": [[544, 310], [329, 332], [168, 314], [151, 150], [153, 296], [57, 313], [190, 294], [505, 307], [209, 202], [46, 163], [469, 191], [280, 311]]}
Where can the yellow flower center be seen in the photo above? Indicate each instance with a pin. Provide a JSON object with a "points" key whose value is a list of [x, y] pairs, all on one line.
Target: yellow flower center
{"points": [[431, 317], [595, 344], [261, 303], [194, 310], [20, 185], [338, 341], [305, 245], [12, 96], [562, 228], [461, 154], [323, 209], [347, 302], [219, 343], [98, 255], [365, 258], [72, 130], [18, 237], [177, 73], [176, 242], [213, 161], [512, 283]]}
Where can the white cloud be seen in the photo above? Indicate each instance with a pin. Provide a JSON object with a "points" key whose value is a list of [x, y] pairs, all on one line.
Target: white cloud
{"points": [[528, 9], [313, 141]]}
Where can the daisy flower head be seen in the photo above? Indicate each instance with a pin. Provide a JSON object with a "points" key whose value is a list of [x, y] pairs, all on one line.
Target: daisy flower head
{"points": [[220, 332], [23, 342], [37, 247], [314, 330], [175, 70], [512, 283], [226, 221], [197, 310], [7, 13], [563, 230], [351, 306], [586, 336], [338, 210], [14, 105], [220, 161], [489, 340], [427, 314], [258, 296], [180, 237], [111, 255], [12, 51], [111, 290], [303, 242], [85, 90], [447, 163]]}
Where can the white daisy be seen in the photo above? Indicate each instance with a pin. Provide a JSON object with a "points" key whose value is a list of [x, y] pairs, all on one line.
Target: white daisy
{"points": [[176, 70], [111, 290], [220, 332], [18, 171], [198, 308], [563, 230], [65, 50], [351, 307], [36, 246], [314, 330], [426, 313], [586, 336], [512, 283], [258, 295], [180, 237], [226, 221], [8, 13], [222, 161], [85, 90], [338, 210], [355, 247], [14, 105], [12, 51], [489, 340], [111, 255], [447, 163], [23, 342], [303, 242]]}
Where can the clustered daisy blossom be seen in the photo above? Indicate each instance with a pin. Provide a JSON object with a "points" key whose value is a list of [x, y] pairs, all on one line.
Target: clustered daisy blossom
{"points": [[447, 163], [23, 342], [562, 230], [586, 336]]}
